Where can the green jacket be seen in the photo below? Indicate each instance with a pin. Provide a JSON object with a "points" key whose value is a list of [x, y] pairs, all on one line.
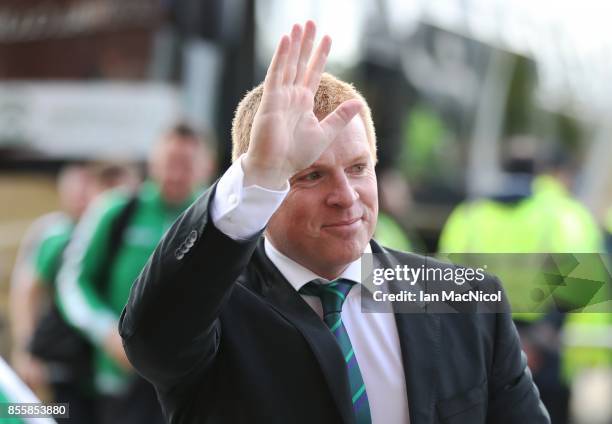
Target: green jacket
{"points": [[48, 255], [94, 312]]}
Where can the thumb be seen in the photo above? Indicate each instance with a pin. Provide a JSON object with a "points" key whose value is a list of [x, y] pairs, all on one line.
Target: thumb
{"points": [[335, 122]]}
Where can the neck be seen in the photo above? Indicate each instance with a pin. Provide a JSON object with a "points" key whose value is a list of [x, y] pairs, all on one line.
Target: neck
{"points": [[326, 271]]}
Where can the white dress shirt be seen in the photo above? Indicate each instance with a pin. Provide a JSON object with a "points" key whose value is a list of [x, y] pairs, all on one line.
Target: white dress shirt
{"points": [[240, 212]]}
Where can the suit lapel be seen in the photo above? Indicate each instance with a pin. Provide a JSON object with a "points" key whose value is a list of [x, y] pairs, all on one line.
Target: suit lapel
{"points": [[419, 338], [286, 301]]}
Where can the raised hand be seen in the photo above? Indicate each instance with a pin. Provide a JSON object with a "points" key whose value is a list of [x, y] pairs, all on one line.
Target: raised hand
{"points": [[286, 136]]}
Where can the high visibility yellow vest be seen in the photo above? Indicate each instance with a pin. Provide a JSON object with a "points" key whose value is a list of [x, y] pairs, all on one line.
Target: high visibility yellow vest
{"points": [[390, 234], [549, 221]]}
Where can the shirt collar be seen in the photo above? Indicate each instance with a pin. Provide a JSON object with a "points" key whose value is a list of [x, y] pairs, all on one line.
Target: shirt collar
{"points": [[298, 275]]}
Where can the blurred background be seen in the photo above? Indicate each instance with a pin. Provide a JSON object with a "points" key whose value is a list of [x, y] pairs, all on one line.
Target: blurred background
{"points": [[480, 106]]}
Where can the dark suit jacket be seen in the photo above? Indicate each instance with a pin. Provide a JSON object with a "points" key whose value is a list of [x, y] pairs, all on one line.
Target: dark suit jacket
{"points": [[226, 339]]}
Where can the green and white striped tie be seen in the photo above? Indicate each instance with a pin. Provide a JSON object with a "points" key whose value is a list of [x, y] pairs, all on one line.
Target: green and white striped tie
{"points": [[332, 297]]}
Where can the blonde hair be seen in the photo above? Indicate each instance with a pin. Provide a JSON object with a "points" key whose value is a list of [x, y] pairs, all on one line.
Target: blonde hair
{"points": [[331, 93]]}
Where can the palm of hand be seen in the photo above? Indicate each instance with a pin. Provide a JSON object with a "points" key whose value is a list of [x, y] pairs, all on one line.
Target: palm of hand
{"points": [[286, 136], [288, 128]]}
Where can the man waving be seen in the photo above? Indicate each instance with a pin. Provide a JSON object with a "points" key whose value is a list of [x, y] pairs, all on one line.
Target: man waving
{"points": [[249, 309]]}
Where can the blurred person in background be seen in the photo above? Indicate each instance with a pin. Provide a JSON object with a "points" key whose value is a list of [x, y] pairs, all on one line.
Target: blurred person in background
{"points": [[109, 247], [72, 187], [110, 175], [46, 351], [533, 212]]}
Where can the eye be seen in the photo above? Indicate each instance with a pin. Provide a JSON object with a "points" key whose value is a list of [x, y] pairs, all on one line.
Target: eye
{"points": [[359, 168], [312, 176]]}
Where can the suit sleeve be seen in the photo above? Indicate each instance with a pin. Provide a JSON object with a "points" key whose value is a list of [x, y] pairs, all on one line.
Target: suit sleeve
{"points": [[170, 325], [513, 396]]}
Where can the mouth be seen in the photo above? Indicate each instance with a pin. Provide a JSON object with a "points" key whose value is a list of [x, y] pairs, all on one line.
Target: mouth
{"points": [[345, 229], [344, 223]]}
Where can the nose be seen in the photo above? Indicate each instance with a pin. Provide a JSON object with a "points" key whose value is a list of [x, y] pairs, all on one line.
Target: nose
{"points": [[342, 194]]}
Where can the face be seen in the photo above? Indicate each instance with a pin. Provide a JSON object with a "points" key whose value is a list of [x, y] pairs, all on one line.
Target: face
{"points": [[176, 166], [329, 215], [74, 191], [126, 179]]}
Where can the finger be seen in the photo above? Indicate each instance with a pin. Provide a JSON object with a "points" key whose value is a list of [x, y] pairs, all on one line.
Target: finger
{"points": [[335, 122], [305, 50], [292, 57], [317, 64], [274, 76]]}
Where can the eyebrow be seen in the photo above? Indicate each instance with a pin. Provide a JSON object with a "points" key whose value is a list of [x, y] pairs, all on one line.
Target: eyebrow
{"points": [[360, 158]]}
